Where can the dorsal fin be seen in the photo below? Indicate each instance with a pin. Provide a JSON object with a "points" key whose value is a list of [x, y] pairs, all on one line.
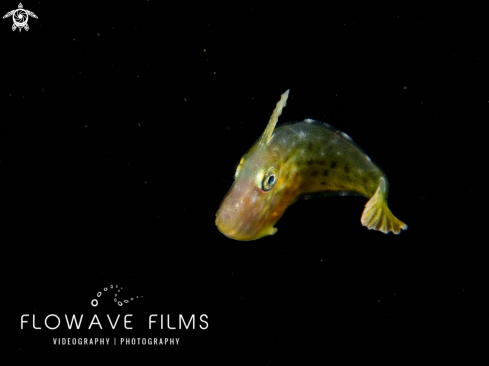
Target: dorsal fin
{"points": [[267, 134]]}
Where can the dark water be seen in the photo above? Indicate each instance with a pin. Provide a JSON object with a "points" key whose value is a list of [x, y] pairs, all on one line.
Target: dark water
{"points": [[121, 126]]}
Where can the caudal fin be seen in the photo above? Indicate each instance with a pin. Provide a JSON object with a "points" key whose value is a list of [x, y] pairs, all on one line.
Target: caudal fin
{"points": [[377, 215]]}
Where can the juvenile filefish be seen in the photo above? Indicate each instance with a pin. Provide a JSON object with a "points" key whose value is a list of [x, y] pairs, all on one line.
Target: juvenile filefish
{"points": [[294, 160]]}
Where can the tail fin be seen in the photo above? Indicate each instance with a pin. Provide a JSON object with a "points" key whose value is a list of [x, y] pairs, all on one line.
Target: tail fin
{"points": [[377, 215]]}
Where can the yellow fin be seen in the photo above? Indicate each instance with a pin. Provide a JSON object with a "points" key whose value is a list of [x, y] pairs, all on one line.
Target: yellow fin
{"points": [[377, 215], [267, 134]]}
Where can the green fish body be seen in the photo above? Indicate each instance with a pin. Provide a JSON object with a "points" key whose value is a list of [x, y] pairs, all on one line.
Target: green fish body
{"points": [[293, 160]]}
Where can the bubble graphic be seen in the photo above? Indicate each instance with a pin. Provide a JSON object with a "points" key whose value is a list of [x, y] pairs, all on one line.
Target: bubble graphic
{"points": [[119, 302]]}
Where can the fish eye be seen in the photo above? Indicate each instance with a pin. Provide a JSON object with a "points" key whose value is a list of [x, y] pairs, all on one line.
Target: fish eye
{"points": [[269, 179]]}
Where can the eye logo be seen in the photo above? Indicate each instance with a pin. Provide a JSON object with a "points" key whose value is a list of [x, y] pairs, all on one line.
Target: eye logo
{"points": [[116, 299], [20, 17]]}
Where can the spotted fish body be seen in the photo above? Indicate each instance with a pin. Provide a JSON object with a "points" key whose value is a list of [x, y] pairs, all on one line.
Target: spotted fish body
{"points": [[298, 159]]}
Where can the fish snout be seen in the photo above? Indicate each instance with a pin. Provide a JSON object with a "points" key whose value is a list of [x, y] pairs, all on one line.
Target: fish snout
{"points": [[242, 215], [235, 215], [228, 219], [223, 219]]}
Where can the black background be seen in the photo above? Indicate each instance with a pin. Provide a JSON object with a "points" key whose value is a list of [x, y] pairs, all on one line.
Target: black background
{"points": [[121, 126]]}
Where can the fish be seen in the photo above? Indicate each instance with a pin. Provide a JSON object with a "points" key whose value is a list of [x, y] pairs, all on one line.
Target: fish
{"points": [[298, 160]]}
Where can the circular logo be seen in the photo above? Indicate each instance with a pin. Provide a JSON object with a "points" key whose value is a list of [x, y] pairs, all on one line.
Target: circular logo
{"points": [[20, 17]]}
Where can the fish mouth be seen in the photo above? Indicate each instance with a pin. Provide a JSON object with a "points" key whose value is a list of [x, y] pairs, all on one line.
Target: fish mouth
{"points": [[238, 230], [243, 213], [228, 226]]}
